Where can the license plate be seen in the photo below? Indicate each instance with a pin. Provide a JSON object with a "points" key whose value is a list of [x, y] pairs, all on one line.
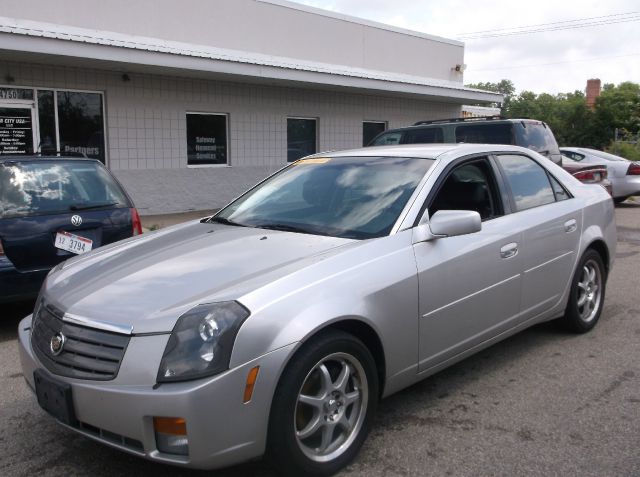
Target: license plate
{"points": [[73, 243], [54, 397]]}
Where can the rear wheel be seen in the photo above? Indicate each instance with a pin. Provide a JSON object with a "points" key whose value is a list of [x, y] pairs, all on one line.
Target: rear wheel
{"points": [[587, 293], [323, 406]]}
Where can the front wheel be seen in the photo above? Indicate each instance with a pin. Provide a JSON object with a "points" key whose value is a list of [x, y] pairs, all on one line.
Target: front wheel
{"points": [[323, 406], [587, 293]]}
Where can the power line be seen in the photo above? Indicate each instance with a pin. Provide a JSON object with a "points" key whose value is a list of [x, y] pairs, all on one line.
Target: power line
{"points": [[545, 24], [555, 28], [555, 63]]}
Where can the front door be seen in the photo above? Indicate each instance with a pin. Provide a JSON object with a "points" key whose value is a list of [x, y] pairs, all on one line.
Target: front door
{"points": [[469, 284], [17, 135]]}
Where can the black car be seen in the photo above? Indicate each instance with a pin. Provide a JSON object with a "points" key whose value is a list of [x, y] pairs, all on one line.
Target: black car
{"points": [[54, 208], [529, 133]]}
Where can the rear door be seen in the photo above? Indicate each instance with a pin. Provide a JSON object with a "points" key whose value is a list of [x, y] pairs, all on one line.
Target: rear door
{"points": [[551, 222], [39, 199]]}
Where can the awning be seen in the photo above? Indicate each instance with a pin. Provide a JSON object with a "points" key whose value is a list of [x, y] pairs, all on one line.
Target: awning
{"points": [[62, 44]]}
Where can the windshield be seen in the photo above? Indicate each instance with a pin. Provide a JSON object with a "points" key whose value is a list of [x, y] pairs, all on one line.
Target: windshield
{"points": [[350, 197], [45, 187]]}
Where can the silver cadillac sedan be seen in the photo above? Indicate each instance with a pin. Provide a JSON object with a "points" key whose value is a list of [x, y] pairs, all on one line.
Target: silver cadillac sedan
{"points": [[275, 326]]}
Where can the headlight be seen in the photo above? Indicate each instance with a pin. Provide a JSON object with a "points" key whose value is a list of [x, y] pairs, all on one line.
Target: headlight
{"points": [[201, 342]]}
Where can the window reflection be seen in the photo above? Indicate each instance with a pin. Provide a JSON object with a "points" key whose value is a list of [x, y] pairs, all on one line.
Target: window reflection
{"points": [[81, 124]]}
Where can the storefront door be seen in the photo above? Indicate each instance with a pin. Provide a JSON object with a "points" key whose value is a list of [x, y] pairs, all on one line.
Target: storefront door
{"points": [[17, 134]]}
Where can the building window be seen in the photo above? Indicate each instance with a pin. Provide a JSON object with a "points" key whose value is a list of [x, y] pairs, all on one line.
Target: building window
{"points": [[370, 129], [81, 123], [206, 139], [47, 122], [16, 133], [301, 138]]}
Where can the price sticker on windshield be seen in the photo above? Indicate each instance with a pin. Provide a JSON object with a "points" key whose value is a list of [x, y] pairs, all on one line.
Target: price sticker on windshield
{"points": [[73, 243], [317, 160]]}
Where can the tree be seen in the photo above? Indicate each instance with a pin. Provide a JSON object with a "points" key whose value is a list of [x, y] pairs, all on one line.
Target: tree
{"points": [[618, 107], [505, 87], [572, 121]]}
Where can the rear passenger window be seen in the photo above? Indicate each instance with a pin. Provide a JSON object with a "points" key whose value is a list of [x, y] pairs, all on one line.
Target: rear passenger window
{"points": [[558, 190], [423, 136], [528, 180], [484, 134]]}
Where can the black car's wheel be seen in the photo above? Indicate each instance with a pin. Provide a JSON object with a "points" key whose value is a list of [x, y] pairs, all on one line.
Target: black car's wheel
{"points": [[587, 293], [323, 406]]}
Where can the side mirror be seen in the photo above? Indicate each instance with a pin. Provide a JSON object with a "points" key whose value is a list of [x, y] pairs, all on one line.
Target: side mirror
{"points": [[448, 223]]}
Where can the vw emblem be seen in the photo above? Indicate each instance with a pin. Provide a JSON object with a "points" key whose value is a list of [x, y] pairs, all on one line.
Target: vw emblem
{"points": [[76, 220], [56, 344]]}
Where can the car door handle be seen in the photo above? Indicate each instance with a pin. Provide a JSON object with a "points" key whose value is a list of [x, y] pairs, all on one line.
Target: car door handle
{"points": [[570, 226], [509, 250]]}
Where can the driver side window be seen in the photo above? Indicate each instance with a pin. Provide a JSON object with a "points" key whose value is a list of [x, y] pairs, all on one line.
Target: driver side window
{"points": [[470, 186]]}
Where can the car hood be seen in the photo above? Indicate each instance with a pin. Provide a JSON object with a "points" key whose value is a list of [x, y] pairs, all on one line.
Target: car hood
{"points": [[143, 285]]}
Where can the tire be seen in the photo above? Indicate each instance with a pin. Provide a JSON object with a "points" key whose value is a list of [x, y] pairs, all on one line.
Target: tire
{"points": [[323, 406], [587, 293], [619, 200]]}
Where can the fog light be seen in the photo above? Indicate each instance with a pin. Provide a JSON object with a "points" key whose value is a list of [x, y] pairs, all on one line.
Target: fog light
{"points": [[171, 435]]}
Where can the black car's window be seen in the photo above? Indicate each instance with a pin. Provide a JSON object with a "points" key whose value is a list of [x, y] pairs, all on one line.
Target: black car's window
{"points": [[387, 139], [350, 197], [423, 136], [484, 133], [528, 181], [470, 186], [537, 137], [46, 187]]}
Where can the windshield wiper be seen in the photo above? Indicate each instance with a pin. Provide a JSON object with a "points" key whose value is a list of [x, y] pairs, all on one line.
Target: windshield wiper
{"points": [[92, 206], [287, 228], [222, 220]]}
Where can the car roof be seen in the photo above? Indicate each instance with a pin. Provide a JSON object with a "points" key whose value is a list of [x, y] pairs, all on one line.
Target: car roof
{"points": [[425, 151], [463, 122]]}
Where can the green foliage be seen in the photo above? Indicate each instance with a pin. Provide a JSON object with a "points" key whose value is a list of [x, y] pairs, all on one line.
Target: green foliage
{"points": [[505, 86], [624, 149], [572, 121]]}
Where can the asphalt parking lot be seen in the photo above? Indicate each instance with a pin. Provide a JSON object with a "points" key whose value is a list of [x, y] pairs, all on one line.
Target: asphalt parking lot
{"points": [[543, 402]]}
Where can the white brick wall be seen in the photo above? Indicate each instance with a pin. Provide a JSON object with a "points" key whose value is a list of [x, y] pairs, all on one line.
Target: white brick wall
{"points": [[146, 128]]}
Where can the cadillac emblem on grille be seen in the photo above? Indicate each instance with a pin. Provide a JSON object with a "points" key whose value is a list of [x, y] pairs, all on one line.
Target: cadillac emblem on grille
{"points": [[56, 344]]}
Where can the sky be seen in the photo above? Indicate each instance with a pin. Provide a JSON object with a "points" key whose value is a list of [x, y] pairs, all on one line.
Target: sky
{"points": [[567, 42]]}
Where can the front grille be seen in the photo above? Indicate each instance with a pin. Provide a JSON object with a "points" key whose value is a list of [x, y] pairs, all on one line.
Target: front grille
{"points": [[87, 353]]}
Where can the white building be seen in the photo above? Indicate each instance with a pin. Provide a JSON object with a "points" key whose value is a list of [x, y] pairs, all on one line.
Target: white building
{"points": [[191, 102]]}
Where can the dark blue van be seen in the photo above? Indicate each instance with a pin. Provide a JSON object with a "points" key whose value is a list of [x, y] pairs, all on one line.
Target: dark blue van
{"points": [[54, 208]]}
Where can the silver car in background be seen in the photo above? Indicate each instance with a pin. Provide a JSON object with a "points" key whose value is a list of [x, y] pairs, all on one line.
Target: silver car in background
{"points": [[276, 325], [624, 174]]}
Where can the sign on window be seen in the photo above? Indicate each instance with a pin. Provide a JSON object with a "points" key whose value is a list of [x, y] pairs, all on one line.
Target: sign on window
{"points": [[206, 139]]}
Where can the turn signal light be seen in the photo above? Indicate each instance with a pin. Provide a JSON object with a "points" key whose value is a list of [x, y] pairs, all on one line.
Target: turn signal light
{"points": [[251, 382], [171, 435], [176, 426]]}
